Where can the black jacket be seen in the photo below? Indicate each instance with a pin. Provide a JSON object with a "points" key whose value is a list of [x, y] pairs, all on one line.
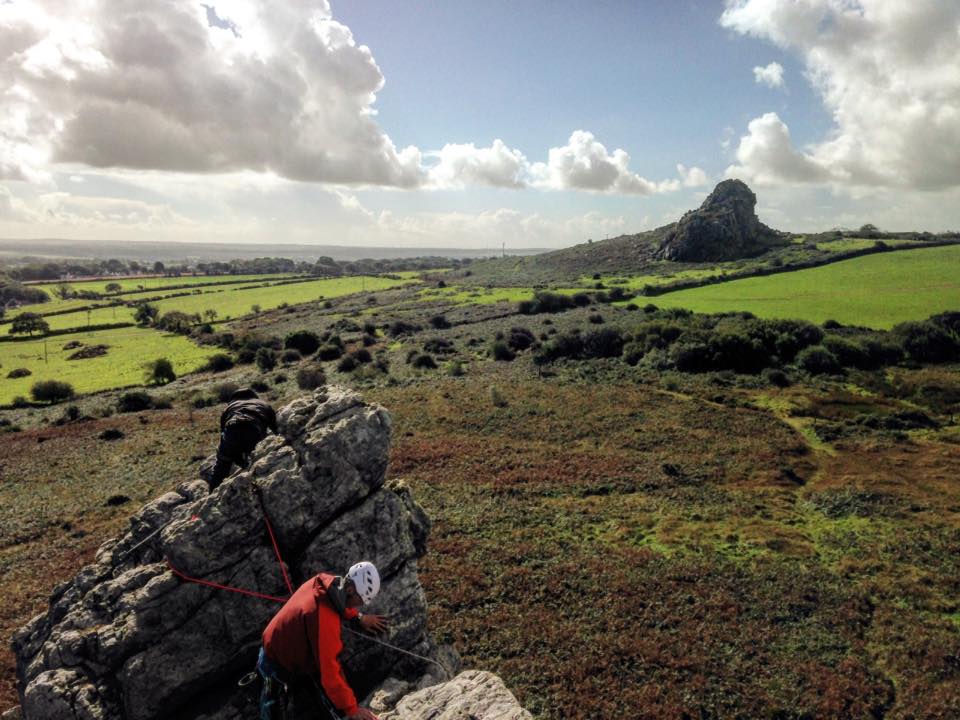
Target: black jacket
{"points": [[250, 410]]}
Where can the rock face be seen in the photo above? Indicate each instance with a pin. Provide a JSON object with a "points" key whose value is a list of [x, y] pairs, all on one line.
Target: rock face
{"points": [[128, 638], [724, 227], [472, 694]]}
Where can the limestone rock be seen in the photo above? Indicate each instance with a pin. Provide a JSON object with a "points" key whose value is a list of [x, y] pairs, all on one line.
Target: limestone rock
{"points": [[128, 638], [724, 227], [471, 695]]}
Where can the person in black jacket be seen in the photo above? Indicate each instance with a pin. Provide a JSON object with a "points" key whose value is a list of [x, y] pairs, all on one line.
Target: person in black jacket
{"points": [[243, 424]]}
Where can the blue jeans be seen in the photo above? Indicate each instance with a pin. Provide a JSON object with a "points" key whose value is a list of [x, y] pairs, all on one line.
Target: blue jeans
{"points": [[273, 691]]}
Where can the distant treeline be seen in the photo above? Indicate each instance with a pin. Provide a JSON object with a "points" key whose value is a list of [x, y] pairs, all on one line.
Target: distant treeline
{"points": [[323, 266]]}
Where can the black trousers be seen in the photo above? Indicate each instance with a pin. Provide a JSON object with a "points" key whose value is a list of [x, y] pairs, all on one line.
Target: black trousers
{"points": [[237, 441]]}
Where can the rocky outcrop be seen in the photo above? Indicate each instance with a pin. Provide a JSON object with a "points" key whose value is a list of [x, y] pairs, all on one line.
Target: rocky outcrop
{"points": [[724, 227], [129, 638], [472, 694]]}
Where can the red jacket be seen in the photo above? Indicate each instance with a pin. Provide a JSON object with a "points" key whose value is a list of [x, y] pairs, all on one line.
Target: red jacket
{"points": [[305, 637]]}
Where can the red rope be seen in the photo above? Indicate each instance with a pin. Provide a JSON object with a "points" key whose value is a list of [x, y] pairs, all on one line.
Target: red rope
{"points": [[218, 586], [276, 548]]}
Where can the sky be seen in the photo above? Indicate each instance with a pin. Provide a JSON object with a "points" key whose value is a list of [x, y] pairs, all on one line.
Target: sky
{"points": [[532, 123]]}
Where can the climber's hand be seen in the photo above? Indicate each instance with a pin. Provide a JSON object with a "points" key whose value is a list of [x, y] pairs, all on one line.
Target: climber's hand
{"points": [[374, 623]]}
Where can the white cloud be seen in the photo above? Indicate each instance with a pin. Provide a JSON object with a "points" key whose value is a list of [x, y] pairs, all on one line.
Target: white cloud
{"points": [[889, 73], [770, 75], [149, 85], [496, 166], [584, 164], [692, 177], [765, 155]]}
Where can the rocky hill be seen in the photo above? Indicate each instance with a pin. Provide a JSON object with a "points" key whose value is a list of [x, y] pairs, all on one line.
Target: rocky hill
{"points": [[724, 227], [130, 638]]}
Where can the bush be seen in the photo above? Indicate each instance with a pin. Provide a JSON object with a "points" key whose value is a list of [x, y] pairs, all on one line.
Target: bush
{"points": [[369, 328], [545, 301], [520, 339], [581, 299], [223, 391], [424, 362], [928, 342], [304, 341], [159, 372], [134, 401], [347, 364], [569, 345], [454, 368], [819, 361], [362, 355], [400, 327], [19, 373], [177, 322], [259, 386], [368, 340], [51, 391], [439, 322], [595, 318], [246, 355], [329, 352], [500, 351], [279, 379], [848, 354], [290, 356], [776, 377], [219, 362], [438, 346], [266, 359], [310, 378], [604, 343], [20, 402]]}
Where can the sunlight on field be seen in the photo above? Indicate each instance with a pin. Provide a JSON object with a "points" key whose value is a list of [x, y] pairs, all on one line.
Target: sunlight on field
{"points": [[876, 291], [128, 350], [231, 302], [148, 283], [460, 295]]}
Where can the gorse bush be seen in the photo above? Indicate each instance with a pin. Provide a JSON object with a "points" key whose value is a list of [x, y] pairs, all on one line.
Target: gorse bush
{"points": [[545, 301], [219, 362], [501, 351], [819, 361], [51, 391], [290, 356], [134, 401], [520, 338], [305, 342], [310, 378], [930, 341], [605, 343], [329, 352], [159, 371], [266, 359]]}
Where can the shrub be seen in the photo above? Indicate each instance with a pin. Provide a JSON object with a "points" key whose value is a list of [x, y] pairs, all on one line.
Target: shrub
{"points": [[159, 372], [18, 373], [219, 362], [928, 342], [246, 355], [304, 341], [223, 391], [347, 364], [362, 355], [603, 343], [776, 377], [500, 351], [310, 378], [438, 346], [329, 352], [279, 379], [520, 339], [51, 391], [369, 328], [454, 368], [290, 356], [545, 301], [831, 325], [581, 299], [633, 353], [848, 354], [496, 397], [266, 359], [259, 386], [400, 327], [368, 340], [650, 308], [20, 402], [134, 401], [818, 361], [439, 322], [569, 345], [424, 362], [595, 318], [176, 322]]}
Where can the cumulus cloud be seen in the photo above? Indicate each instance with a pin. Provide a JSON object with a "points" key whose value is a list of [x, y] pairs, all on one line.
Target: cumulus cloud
{"points": [[692, 177], [270, 86], [889, 73], [770, 75], [496, 166], [585, 164]]}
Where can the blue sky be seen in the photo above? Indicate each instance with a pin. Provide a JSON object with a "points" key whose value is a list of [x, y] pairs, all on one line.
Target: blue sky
{"points": [[469, 124]]}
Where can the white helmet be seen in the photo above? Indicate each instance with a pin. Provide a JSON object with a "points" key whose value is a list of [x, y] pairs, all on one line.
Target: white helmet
{"points": [[365, 579]]}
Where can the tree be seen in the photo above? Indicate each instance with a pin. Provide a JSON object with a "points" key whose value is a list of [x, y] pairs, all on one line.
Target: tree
{"points": [[146, 314], [255, 309], [158, 267], [29, 323], [63, 291], [113, 287], [210, 314], [159, 371], [266, 359], [176, 321]]}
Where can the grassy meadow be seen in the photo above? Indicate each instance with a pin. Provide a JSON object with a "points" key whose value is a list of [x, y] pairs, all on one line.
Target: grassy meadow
{"points": [[154, 283], [875, 291], [122, 365]]}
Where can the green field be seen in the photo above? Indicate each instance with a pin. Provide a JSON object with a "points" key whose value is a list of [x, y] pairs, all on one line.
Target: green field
{"points": [[231, 302], [876, 291], [129, 349], [485, 296], [152, 283], [847, 244]]}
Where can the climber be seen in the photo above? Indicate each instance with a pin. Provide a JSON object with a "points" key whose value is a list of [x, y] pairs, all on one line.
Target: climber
{"points": [[243, 424], [303, 639]]}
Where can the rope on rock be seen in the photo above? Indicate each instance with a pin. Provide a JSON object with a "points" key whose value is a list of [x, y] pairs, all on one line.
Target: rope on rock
{"points": [[400, 649]]}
